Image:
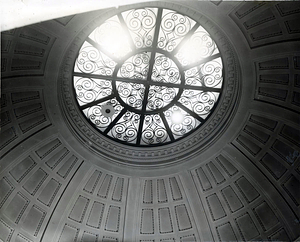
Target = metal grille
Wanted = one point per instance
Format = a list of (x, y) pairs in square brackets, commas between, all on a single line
[(148, 76)]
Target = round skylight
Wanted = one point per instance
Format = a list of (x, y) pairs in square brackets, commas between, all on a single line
[(148, 76)]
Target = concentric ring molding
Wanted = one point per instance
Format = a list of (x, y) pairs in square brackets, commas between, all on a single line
[(196, 142)]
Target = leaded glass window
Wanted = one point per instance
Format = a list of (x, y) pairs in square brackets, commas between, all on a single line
[(148, 76)]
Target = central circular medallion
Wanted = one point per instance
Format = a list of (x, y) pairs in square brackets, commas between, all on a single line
[(147, 82)]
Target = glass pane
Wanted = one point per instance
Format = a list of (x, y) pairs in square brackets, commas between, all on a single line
[(208, 74), (199, 46), (199, 102), (95, 113), (180, 122), (91, 60), (141, 25), (173, 28), (154, 131), (91, 89), (160, 96), (112, 38), (126, 128), (136, 67), (165, 70), (131, 93)]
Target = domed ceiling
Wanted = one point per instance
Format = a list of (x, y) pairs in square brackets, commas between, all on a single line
[(72, 171)]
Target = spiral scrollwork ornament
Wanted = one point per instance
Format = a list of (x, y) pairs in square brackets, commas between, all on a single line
[(89, 89), (207, 75), (126, 128), (160, 96), (141, 24), (131, 93), (165, 70), (95, 114), (136, 67), (91, 60), (183, 127), (173, 28), (154, 131)]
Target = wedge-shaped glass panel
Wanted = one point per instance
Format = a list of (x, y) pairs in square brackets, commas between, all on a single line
[(92, 60), (136, 67), (180, 122), (173, 28), (91, 89), (209, 74), (160, 96), (141, 24), (111, 37), (198, 47), (126, 128), (97, 113), (131, 93), (165, 70), (154, 130), (199, 102)]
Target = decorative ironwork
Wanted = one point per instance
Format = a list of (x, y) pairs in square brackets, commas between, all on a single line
[(136, 67), (160, 96), (173, 28), (157, 73), (208, 74), (91, 60), (95, 114), (90, 89), (187, 124), (131, 93), (199, 102), (165, 70), (199, 46), (141, 24), (126, 128), (154, 131)]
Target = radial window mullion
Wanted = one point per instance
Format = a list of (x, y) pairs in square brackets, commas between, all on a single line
[(165, 84), (169, 131), (156, 33), (125, 28), (111, 78), (157, 27), (145, 100), (202, 88), (88, 105), (186, 37), (190, 112), (140, 130), (210, 58), (112, 124), (95, 76)]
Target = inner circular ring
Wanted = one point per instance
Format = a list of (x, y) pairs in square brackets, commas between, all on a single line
[(152, 80)]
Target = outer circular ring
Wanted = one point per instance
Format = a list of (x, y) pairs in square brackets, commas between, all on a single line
[(195, 142)]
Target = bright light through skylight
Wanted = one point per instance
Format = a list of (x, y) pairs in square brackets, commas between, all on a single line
[(112, 37), (177, 117)]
